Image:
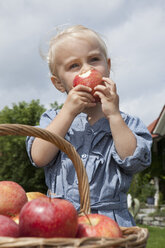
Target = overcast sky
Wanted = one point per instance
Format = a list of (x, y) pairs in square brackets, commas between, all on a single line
[(134, 31)]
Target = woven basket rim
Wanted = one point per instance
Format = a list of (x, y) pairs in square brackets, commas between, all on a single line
[(137, 238)]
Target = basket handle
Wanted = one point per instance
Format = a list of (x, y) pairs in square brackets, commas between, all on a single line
[(63, 145)]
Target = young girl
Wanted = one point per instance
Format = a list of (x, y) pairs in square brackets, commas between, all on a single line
[(113, 145)]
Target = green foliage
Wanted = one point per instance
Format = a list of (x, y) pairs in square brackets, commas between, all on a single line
[(148, 190), (157, 169), (55, 105), (138, 182), (161, 200), (135, 188), (14, 162), (23, 113), (141, 187)]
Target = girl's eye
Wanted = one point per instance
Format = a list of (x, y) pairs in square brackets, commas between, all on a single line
[(73, 66), (94, 59)]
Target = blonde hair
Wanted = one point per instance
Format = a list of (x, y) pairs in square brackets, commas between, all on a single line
[(77, 31)]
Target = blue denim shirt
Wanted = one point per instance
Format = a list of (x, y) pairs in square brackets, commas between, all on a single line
[(109, 176)]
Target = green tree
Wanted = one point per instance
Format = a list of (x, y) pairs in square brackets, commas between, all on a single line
[(14, 162), (55, 105), (140, 180)]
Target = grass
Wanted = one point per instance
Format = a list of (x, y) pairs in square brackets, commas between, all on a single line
[(156, 237)]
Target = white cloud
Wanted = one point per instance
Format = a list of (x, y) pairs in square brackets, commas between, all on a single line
[(147, 108), (138, 53)]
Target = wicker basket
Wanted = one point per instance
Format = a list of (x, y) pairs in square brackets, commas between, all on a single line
[(132, 236)]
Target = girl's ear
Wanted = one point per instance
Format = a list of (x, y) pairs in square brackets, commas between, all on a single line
[(109, 64), (57, 83)]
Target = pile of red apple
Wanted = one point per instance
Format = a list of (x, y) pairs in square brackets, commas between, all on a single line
[(33, 214)]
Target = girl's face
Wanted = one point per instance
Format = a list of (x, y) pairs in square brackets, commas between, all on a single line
[(75, 56)]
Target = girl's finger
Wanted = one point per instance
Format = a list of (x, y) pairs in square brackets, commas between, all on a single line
[(106, 90), (81, 87), (86, 95), (99, 94), (111, 83)]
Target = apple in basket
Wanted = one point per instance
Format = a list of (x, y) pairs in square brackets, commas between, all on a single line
[(12, 198), (8, 228), (97, 225), (90, 78), (30, 196), (48, 218), (34, 195)]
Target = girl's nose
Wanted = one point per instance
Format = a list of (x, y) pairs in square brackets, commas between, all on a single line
[(85, 68)]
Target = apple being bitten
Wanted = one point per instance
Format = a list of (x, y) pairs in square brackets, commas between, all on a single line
[(91, 78), (8, 228), (48, 218), (12, 198), (97, 225)]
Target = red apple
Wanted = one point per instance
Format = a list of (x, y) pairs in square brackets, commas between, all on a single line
[(48, 218), (12, 198), (31, 196), (34, 195), (91, 78), (8, 227), (97, 225)]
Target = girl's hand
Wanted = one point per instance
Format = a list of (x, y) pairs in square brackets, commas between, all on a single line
[(109, 97), (78, 99)]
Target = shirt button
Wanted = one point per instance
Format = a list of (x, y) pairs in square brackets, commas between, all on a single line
[(146, 156), (89, 131), (83, 156)]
